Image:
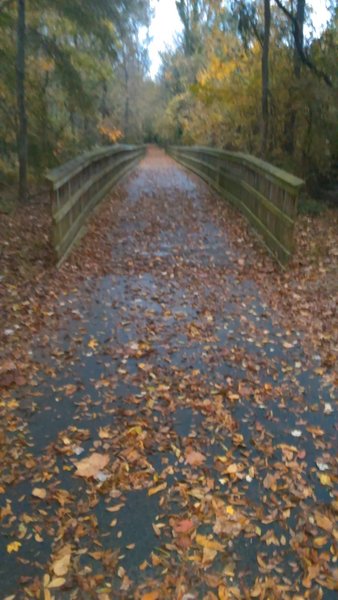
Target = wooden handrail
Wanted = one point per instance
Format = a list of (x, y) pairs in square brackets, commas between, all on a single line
[(267, 195), (77, 186)]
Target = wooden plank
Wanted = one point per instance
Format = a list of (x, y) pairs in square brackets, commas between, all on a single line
[(60, 175), (73, 233), (287, 180), (65, 208), (251, 190), (273, 243)]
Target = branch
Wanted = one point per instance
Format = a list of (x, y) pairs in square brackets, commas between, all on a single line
[(303, 55)]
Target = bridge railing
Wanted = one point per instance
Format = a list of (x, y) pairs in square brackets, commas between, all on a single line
[(266, 195), (77, 186)]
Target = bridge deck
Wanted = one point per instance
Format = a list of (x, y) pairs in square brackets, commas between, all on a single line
[(205, 427)]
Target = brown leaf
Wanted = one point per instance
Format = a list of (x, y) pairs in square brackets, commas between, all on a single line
[(90, 466), (62, 561), (193, 458), (323, 522), (183, 526), (70, 389), (269, 482)]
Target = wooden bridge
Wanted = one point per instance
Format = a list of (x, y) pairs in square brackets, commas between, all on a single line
[(265, 194)]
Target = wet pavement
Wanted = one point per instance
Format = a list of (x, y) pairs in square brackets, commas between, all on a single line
[(218, 433)]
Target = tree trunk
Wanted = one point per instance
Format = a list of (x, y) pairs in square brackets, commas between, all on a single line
[(21, 101), (126, 98), (297, 67), (299, 34), (265, 77)]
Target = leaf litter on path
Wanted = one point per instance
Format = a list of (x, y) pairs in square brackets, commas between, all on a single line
[(205, 428)]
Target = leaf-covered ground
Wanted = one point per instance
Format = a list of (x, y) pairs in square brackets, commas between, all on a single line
[(168, 416)]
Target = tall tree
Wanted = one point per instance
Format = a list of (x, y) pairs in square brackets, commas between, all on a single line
[(190, 14), (297, 19), (265, 76), (250, 26), (21, 99)]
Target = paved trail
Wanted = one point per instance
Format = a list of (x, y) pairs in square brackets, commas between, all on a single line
[(209, 436)]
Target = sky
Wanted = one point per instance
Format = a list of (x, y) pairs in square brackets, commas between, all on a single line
[(166, 24)]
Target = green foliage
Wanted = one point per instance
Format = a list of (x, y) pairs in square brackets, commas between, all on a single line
[(310, 206)]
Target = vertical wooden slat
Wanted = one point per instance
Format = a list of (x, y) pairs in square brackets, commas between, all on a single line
[(268, 196), (75, 189)]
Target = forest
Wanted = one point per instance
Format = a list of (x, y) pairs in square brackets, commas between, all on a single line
[(244, 75)]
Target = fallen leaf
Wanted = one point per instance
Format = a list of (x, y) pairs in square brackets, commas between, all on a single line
[(202, 540), (195, 459), (158, 488), (39, 493), (151, 595), (223, 593), (56, 583), (93, 343), (13, 547), (62, 562), (70, 389), (115, 508), (323, 522), (183, 526), (324, 479), (90, 466)]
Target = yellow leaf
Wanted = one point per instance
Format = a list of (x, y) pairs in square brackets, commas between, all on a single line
[(233, 468), (320, 541), (115, 508), (61, 564), (47, 594), (151, 595), (208, 555), (222, 593), (230, 510), (104, 433), (158, 488), (13, 547), (39, 493), (325, 479), (202, 540), (56, 583), (93, 343)]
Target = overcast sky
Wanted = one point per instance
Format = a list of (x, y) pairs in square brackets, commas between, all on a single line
[(166, 24)]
